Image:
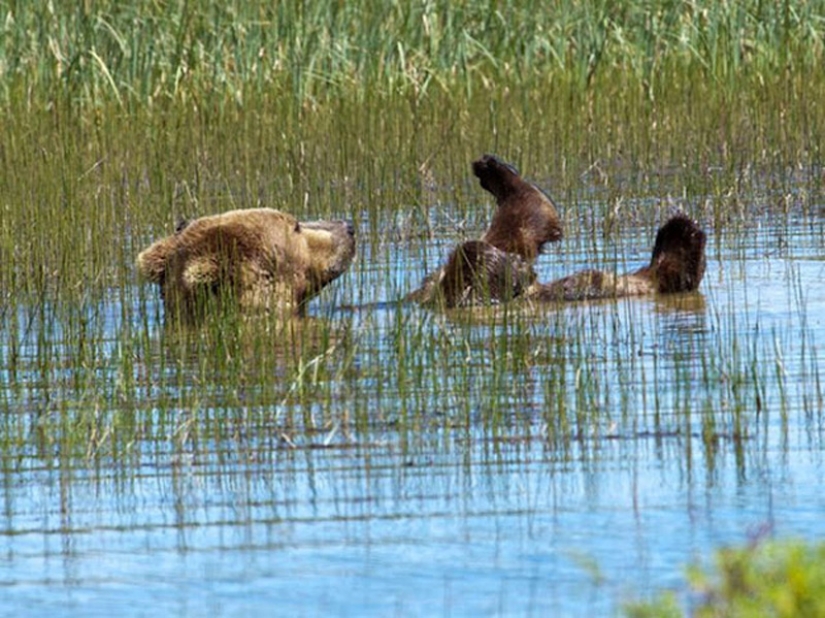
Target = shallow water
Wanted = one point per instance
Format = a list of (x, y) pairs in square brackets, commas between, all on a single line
[(385, 460)]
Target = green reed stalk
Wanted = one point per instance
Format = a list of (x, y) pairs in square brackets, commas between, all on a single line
[(122, 119), (147, 53)]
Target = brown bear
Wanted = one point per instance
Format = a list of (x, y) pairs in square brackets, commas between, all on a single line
[(677, 265), (499, 266), (253, 259)]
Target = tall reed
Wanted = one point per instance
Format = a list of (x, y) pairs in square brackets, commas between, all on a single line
[(147, 53)]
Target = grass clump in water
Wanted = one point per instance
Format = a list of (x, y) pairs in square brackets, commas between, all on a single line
[(775, 579)]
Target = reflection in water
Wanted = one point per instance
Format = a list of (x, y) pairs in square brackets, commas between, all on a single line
[(386, 459), (683, 304)]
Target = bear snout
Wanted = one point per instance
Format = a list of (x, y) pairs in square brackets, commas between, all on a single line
[(333, 227)]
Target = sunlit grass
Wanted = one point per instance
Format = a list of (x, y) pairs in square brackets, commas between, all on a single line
[(120, 119), (770, 578), (147, 53)]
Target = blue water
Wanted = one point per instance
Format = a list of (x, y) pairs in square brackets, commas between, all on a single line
[(557, 461)]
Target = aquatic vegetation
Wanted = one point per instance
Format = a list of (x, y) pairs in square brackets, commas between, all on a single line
[(370, 429), (148, 53), (771, 578), (203, 108)]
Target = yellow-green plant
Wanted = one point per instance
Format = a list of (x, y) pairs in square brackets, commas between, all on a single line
[(777, 579)]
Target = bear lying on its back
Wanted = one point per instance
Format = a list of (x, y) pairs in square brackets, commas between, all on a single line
[(677, 264), (478, 273), (499, 266), (256, 259)]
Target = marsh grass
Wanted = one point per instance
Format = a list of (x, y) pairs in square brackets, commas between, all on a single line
[(120, 119), (764, 578), (147, 53), (72, 278)]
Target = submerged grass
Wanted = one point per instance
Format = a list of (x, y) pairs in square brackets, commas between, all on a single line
[(122, 119)]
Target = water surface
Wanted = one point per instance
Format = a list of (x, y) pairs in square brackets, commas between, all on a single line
[(386, 460)]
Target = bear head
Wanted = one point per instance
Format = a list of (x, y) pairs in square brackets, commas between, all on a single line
[(477, 273), (255, 259)]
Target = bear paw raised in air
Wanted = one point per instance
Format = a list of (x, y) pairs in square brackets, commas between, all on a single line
[(677, 264), (499, 266)]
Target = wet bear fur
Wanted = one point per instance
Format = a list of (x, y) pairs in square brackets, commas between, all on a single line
[(677, 264), (499, 266), (257, 259)]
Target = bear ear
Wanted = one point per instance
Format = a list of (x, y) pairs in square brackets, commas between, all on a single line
[(297, 227), (151, 262), (181, 225)]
